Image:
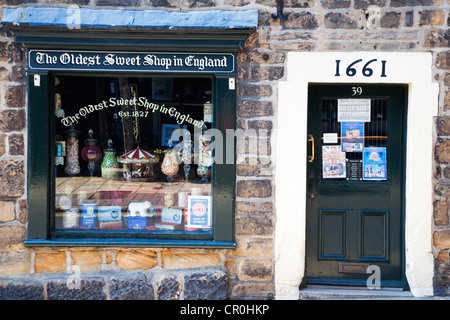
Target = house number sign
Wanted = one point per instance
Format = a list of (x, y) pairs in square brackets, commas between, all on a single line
[(359, 66)]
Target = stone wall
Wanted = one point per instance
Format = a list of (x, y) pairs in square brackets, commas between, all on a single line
[(312, 25)]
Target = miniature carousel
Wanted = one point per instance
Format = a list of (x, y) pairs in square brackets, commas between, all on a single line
[(138, 165)]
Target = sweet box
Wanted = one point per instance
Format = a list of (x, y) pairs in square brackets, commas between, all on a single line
[(109, 213)]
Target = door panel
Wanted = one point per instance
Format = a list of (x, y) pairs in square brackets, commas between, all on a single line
[(374, 236), (332, 235), (355, 183)]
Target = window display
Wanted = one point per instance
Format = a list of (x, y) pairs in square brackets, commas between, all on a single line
[(121, 163)]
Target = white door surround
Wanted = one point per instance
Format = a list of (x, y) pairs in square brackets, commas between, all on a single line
[(302, 68)]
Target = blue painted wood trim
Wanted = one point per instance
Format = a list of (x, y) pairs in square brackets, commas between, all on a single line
[(73, 17)]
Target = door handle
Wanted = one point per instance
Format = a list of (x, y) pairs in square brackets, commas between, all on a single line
[(311, 139)]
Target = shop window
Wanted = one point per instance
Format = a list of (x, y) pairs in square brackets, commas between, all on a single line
[(121, 163)]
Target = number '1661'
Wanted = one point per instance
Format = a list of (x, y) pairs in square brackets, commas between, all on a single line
[(366, 69)]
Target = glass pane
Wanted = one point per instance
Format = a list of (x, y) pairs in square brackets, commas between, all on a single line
[(344, 143), (120, 164)]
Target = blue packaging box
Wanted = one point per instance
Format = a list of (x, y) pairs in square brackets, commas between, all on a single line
[(137, 223)]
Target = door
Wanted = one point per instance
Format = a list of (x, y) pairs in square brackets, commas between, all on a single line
[(355, 181)]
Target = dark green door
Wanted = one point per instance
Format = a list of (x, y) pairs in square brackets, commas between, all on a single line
[(355, 173)]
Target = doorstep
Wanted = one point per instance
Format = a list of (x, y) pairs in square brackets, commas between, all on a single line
[(323, 292)]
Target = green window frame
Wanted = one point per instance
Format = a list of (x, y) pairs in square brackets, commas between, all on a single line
[(40, 179)]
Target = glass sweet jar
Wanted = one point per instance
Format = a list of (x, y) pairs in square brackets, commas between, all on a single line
[(169, 165), (110, 165), (91, 153), (72, 144)]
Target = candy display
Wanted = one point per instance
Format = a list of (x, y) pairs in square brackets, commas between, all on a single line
[(169, 165), (72, 163), (169, 199), (91, 152), (204, 172), (119, 170), (110, 165), (182, 199)]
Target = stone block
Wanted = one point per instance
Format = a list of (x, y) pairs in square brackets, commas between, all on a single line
[(261, 73), (437, 38), (288, 3), (15, 96), (255, 269), (409, 18), (12, 178), (254, 208), (261, 289), (260, 125), (12, 234), (254, 188), (17, 74), (87, 261), (198, 3), (15, 52), (443, 60), (338, 20), (254, 90), (441, 239), (390, 20), (254, 168), (442, 150), (443, 256), (169, 288), (254, 247), (136, 260), (12, 120), (78, 289), (16, 144), (237, 3), (131, 287), (205, 286), (443, 126), (250, 108), (447, 101), (431, 17), (7, 211), (301, 20), (262, 226), (21, 290), (364, 4), (50, 262), (261, 57), (159, 3), (335, 4), (172, 260), (412, 3), (3, 74), (440, 213), (23, 211), (2, 144), (15, 262)]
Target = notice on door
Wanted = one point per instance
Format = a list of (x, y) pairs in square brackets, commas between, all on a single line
[(333, 162), (354, 110), (374, 162)]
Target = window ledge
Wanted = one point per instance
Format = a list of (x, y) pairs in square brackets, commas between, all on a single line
[(92, 242)]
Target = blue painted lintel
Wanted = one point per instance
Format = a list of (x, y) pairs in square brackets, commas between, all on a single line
[(73, 16)]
